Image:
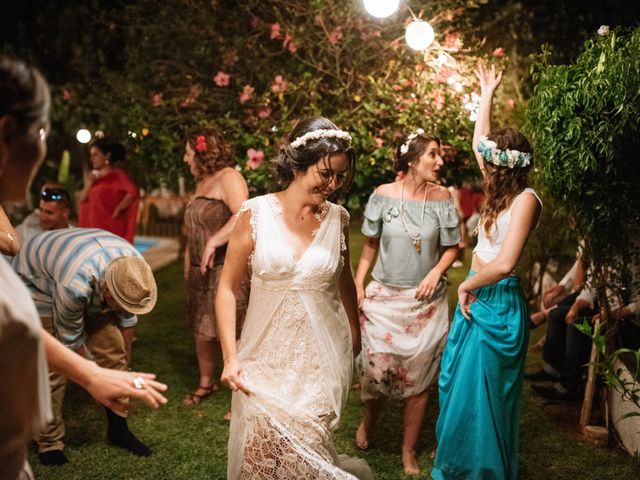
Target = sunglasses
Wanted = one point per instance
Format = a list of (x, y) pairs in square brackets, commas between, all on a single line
[(56, 195)]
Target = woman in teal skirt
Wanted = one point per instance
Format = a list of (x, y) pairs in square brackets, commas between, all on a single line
[(480, 383)]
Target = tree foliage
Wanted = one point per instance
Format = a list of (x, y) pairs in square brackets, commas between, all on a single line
[(255, 68), (583, 119)]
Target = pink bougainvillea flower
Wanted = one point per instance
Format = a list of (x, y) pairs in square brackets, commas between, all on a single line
[(292, 47), (511, 104), (287, 39), (255, 158), (438, 99), (194, 93), (221, 79), (275, 31), (156, 99), (279, 84), (66, 94), (396, 87), (379, 141), (452, 40), (264, 112), (366, 35), (443, 74), (246, 94), (335, 36), (498, 52)]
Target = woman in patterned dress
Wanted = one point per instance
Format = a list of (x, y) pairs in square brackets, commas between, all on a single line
[(412, 227)]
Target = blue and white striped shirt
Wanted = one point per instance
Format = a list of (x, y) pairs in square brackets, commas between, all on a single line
[(64, 270)]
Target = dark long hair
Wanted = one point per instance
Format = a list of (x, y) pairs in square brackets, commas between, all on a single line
[(291, 160), (502, 184)]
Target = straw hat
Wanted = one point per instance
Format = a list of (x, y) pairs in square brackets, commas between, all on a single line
[(131, 283)]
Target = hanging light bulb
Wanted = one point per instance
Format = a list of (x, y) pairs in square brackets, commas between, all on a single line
[(83, 135), (419, 35), (381, 8)]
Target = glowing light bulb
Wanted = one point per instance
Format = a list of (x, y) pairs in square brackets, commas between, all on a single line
[(381, 8), (419, 35), (83, 135)]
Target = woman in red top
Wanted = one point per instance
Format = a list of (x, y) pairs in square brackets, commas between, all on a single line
[(110, 199)]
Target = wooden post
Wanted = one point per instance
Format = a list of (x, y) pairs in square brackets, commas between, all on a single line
[(587, 404)]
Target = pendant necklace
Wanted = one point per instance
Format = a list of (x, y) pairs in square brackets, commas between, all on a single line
[(417, 239)]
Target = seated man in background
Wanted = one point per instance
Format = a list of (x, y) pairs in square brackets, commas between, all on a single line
[(562, 294), (566, 350), (88, 286), (53, 212)]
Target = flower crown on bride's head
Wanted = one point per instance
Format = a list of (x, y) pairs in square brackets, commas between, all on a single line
[(318, 134), (404, 148), (502, 158)]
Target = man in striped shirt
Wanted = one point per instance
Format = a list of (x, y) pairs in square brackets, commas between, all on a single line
[(88, 285)]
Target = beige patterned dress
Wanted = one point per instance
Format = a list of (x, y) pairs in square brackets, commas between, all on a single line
[(296, 355)]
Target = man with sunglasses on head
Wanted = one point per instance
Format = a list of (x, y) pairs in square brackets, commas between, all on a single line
[(52, 213)]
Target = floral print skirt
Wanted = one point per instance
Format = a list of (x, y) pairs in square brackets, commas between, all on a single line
[(402, 341)]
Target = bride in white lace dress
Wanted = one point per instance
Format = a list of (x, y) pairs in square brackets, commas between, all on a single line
[(291, 370)]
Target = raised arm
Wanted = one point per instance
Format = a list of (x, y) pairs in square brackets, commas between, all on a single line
[(489, 81), (233, 273)]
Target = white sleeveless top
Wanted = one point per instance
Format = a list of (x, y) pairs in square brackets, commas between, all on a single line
[(487, 248)]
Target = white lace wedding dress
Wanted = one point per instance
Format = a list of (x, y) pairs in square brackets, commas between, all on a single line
[(296, 355)]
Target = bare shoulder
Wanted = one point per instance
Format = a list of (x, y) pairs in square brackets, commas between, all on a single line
[(233, 185), (439, 193), (388, 189), (528, 205), (229, 174)]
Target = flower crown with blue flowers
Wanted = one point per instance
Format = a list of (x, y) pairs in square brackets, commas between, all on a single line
[(502, 158)]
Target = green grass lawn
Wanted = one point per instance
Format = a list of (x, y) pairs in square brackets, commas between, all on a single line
[(190, 442)]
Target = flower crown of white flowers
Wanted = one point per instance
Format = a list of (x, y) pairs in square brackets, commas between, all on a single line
[(404, 148), (502, 158), (318, 134)]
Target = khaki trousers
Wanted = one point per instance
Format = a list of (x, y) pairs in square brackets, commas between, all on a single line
[(106, 344)]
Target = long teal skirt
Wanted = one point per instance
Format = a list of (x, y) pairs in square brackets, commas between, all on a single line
[(480, 387)]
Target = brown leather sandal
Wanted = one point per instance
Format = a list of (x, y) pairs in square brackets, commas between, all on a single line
[(195, 398)]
